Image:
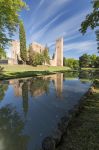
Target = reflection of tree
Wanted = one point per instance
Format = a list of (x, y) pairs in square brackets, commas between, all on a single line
[(3, 89), (71, 74), (39, 86), (85, 76), (25, 97), (11, 127)]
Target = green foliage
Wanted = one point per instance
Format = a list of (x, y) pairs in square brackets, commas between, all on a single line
[(84, 61), (97, 62), (92, 20), (22, 36), (46, 58), (97, 38), (35, 58), (71, 62), (38, 58), (93, 60), (9, 19), (2, 53)]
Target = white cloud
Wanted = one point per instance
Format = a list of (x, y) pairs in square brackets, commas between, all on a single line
[(50, 9), (46, 27), (81, 47), (67, 28)]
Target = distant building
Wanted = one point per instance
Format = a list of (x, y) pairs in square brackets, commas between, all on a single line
[(39, 48), (36, 47)]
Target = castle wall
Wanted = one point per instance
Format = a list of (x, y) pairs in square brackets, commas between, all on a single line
[(36, 47)]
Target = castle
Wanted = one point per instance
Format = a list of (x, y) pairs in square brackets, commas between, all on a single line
[(36, 47)]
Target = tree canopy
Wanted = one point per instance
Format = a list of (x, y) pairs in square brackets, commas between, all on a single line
[(92, 20), (89, 61), (71, 62), (9, 19)]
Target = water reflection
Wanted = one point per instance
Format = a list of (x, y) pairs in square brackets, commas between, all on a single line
[(11, 125), (25, 97), (37, 86), (31, 108), (3, 89)]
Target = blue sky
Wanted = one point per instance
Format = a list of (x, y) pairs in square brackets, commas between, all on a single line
[(46, 20)]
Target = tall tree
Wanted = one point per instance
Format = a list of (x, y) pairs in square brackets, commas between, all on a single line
[(92, 20), (9, 19), (46, 58), (22, 36)]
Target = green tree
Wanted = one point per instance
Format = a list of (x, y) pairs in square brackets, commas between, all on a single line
[(46, 58), (97, 38), (35, 58), (64, 61), (93, 60), (2, 53), (22, 36), (71, 62), (9, 19), (92, 20), (53, 56), (76, 64), (97, 62), (85, 61)]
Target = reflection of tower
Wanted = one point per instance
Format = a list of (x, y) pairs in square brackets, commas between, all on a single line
[(58, 81)]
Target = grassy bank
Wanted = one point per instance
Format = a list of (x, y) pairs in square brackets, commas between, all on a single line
[(86, 69), (20, 71), (83, 132)]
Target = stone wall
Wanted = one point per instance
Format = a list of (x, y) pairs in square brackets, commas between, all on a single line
[(15, 51), (36, 47)]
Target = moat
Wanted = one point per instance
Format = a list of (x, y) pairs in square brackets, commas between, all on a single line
[(31, 108)]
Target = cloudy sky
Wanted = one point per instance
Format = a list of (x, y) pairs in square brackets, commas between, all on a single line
[(46, 20)]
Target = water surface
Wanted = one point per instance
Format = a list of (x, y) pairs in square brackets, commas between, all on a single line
[(31, 108)]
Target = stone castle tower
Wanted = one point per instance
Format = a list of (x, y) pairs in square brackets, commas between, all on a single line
[(58, 59), (59, 52)]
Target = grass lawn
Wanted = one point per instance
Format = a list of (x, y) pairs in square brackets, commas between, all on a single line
[(83, 132), (18, 71)]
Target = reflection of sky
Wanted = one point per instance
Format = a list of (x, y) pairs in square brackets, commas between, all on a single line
[(45, 111)]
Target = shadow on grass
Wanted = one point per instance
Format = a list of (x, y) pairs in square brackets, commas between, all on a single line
[(13, 75)]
